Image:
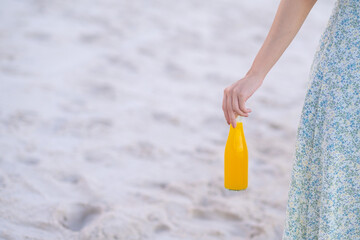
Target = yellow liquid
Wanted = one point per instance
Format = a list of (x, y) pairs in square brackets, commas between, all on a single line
[(236, 159)]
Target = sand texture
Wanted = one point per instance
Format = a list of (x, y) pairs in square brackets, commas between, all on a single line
[(111, 124)]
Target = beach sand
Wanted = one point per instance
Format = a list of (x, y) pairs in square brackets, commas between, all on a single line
[(111, 124)]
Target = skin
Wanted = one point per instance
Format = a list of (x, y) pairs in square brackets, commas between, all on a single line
[(289, 18)]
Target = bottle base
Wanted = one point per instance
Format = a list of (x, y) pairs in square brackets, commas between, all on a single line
[(231, 189)]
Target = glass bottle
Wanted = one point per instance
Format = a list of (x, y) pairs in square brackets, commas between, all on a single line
[(236, 158)]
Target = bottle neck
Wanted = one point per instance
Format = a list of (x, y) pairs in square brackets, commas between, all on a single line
[(239, 118)]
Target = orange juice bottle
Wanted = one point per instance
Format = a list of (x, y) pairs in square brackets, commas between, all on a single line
[(236, 158)]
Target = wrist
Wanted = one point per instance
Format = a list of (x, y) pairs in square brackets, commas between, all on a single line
[(256, 73)]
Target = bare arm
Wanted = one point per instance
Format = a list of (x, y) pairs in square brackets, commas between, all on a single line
[(289, 18)]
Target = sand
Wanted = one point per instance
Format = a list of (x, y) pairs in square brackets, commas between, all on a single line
[(111, 124)]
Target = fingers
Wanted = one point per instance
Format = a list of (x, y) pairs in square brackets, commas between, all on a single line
[(224, 106), (236, 108), (234, 104), (242, 105), (230, 112)]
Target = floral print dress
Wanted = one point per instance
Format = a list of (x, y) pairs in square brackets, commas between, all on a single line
[(324, 193)]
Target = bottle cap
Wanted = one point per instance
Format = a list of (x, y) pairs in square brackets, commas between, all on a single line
[(239, 118)]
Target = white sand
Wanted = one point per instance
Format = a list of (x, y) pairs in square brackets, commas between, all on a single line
[(111, 123)]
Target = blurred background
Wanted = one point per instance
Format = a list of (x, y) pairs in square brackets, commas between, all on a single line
[(111, 124)]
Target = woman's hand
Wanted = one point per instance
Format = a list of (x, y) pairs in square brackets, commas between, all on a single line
[(237, 94), (288, 19)]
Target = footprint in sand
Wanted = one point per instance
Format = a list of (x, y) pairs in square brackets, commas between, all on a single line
[(30, 161), (143, 150), (99, 127), (38, 36), (174, 189), (99, 156), (89, 38), (248, 231), (70, 178), (175, 70), (166, 118), (160, 221), (127, 65), (209, 214), (77, 216), (101, 90), (161, 228)]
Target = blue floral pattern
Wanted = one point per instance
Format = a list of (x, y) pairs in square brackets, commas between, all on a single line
[(324, 191)]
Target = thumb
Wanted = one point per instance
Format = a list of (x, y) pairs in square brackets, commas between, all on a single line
[(242, 105)]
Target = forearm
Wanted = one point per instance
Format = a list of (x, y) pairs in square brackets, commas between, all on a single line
[(289, 18)]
